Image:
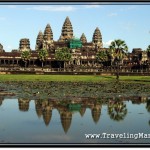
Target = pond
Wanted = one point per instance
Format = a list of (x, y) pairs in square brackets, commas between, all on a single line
[(75, 120)]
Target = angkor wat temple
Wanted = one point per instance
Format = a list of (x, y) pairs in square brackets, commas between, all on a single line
[(83, 52)]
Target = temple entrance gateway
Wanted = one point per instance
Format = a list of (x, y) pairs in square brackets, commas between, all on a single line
[(57, 64)]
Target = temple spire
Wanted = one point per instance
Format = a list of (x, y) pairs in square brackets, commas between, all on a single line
[(67, 30), (48, 34), (97, 38), (39, 40), (83, 38)]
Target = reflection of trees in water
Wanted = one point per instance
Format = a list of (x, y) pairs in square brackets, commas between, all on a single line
[(1, 100), (23, 104), (148, 105), (117, 110), (148, 108)]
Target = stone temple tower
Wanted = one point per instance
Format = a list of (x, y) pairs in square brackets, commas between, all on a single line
[(48, 37), (39, 41), (1, 48), (24, 45), (83, 38), (48, 34), (67, 30), (97, 38)]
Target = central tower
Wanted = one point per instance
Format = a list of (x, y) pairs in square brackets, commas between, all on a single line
[(67, 30)]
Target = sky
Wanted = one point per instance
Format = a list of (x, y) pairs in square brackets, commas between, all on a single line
[(130, 23)]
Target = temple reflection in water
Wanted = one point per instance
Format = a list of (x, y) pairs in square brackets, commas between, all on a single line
[(116, 108)]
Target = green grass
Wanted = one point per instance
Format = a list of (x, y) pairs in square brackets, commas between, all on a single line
[(72, 78)]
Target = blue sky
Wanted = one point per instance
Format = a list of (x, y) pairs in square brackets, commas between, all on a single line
[(127, 22)]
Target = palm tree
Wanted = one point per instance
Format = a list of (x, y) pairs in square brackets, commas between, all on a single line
[(25, 56), (118, 49), (117, 110), (42, 54), (63, 54)]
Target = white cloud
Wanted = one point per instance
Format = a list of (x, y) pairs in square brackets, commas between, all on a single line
[(11, 6), (112, 14), (107, 44), (53, 8), (132, 7), (92, 6)]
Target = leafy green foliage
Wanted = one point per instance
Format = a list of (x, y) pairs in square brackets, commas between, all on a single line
[(148, 48), (148, 51), (25, 55), (102, 56), (63, 87), (117, 110), (148, 105), (42, 54), (118, 49), (63, 54)]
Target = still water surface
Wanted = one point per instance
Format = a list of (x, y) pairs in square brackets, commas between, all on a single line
[(53, 121)]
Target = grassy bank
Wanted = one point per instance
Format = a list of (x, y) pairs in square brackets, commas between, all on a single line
[(73, 78)]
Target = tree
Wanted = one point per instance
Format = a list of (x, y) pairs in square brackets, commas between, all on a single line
[(25, 56), (42, 55), (102, 56), (63, 54), (117, 110), (148, 105), (148, 51), (118, 49)]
